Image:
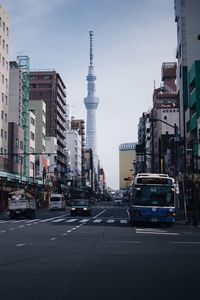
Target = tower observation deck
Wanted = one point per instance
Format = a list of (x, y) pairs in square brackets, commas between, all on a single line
[(91, 103)]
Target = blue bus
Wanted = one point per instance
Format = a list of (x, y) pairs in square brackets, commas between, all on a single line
[(153, 199)]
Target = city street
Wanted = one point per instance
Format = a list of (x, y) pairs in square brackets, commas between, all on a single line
[(56, 256)]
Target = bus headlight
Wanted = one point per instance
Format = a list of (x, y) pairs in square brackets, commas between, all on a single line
[(172, 214)]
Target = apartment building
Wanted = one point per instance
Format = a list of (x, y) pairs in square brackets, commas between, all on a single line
[(127, 158), (187, 18), (4, 85), (49, 86)]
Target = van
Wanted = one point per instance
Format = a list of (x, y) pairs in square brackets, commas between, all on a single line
[(57, 201)]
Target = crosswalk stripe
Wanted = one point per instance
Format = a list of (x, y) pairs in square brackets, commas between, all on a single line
[(123, 221), (84, 220), (58, 220), (71, 220), (31, 221), (47, 220), (111, 221), (97, 221)]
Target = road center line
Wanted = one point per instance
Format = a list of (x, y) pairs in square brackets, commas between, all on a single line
[(99, 214)]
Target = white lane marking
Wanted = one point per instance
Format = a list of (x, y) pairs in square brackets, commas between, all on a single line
[(154, 232), (3, 222), (78, 226), (20, 226), (99, 214), (97, 221), (84, 220), (31, 221), (20, 245), (64, 233), (47, 220), (111, 221), (17, 221), (198, 243), (53, 239), (124, 242), (29, 224), (71, 220), (150, 229), (58, 220), (69, 230), (11, 228), (123, 221), (2, 231)]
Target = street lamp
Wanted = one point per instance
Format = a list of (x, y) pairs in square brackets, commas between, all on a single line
[(175, 127)]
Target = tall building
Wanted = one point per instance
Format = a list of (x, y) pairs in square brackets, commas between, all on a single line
[(91, 104), (79, 125), (4, 84), (127, 158), (38, 107), (187, 18), (48, 86), (165, 112)]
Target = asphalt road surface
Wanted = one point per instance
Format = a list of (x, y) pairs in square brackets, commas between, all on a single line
[(58, 257)]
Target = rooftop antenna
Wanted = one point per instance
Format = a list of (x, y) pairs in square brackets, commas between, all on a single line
[(91, 48)]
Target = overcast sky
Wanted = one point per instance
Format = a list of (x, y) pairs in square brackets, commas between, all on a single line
[(132, 38)]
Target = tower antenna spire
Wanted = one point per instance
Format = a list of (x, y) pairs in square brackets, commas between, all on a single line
[(91, 48)]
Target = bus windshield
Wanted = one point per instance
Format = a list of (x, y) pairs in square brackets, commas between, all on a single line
[(151, 195)]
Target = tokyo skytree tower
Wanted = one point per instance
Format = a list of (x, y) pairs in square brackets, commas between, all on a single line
[(91, 103)]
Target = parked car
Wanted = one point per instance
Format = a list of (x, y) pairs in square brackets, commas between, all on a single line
[(81, 207), (57, 201)]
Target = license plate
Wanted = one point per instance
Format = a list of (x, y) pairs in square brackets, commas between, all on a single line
[(154, 220)]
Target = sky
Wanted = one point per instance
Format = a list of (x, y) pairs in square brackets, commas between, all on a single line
[(132, 38)]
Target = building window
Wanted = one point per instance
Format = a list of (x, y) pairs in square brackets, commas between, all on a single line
[(4, 26), (165, 117), (7, 48), (1, 150), (2, 97), (6, 100), (32, 136), (33, 77), (17, 143), (32, 121), (32, 150), (21, 145), (6, 117), (3, 61), (7, 31), (5, 135), (2, 133), (32, 165), (3, 44), (2, 79), (2, 115)]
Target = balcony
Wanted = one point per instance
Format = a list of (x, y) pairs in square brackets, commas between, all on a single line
[(193, 98), (193, 122)]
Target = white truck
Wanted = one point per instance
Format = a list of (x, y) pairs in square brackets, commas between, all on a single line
[(119, 197), (21, 203)]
